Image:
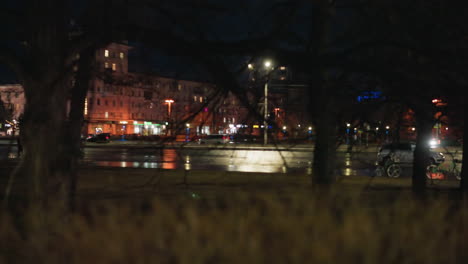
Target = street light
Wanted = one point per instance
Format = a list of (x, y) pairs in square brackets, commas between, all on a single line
[(348, 125), (268, 67), (169, 104), (265, 112)]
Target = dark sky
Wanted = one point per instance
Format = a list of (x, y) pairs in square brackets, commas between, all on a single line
[(7, 76), (230, 20)]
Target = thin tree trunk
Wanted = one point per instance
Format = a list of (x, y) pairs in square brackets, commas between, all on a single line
[(464, 171), (424, 123)]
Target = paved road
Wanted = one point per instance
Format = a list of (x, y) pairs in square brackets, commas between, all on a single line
[(245, 158), (220, 159)]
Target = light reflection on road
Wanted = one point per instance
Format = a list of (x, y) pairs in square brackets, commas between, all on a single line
[(266, 161), (169, 159)]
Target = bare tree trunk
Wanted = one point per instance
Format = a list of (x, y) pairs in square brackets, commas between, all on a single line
[(46, 87), (424, 124), (325, 146), (324, 152), (75, 122), (464, 171), (42, 134)]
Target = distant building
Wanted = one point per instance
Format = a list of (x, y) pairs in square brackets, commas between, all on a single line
[(121, 102)]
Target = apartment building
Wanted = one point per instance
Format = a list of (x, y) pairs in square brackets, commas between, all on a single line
[(122, 102)]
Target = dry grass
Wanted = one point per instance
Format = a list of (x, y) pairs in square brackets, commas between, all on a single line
[(229, 223), (133, 216)]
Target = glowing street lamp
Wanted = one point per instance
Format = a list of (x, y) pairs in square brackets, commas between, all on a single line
[(268, 67), (265, 112), (348, 125), (169, 103)]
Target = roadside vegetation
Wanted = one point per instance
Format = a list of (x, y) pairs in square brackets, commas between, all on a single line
[(241, 218)]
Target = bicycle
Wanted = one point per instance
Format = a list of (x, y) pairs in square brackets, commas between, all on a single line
[(390, 167), (440, 172)]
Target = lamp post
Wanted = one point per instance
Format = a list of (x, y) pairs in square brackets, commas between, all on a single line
[(265, 112), (386, 133), (268, 67), (348, 125), (169, 103)]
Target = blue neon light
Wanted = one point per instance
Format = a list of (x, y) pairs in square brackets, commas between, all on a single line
[(370, 95)]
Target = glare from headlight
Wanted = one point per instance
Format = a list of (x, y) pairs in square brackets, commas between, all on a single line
[(433, 143)]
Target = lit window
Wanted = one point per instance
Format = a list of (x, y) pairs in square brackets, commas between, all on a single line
[(114, 67), (121, 55), (195, 98), (201, 99), (106, 65), (106, 114), (106, 53)]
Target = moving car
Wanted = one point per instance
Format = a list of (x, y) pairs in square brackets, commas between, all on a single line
[(241, 138), (391, 157), (404, 153), (214, 139), (99, 138)]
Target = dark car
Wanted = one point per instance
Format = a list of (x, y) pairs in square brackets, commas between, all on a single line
[(404, 153), (99, 138), (391, 156), (240, 138), (214, 139)]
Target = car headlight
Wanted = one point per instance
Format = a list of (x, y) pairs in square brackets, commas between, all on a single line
[(434, 142)]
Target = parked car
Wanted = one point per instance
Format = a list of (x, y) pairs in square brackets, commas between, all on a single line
[(404, 153), (214, 139), (99, 138)]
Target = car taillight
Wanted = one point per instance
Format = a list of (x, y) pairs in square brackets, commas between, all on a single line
[(107, 137)]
